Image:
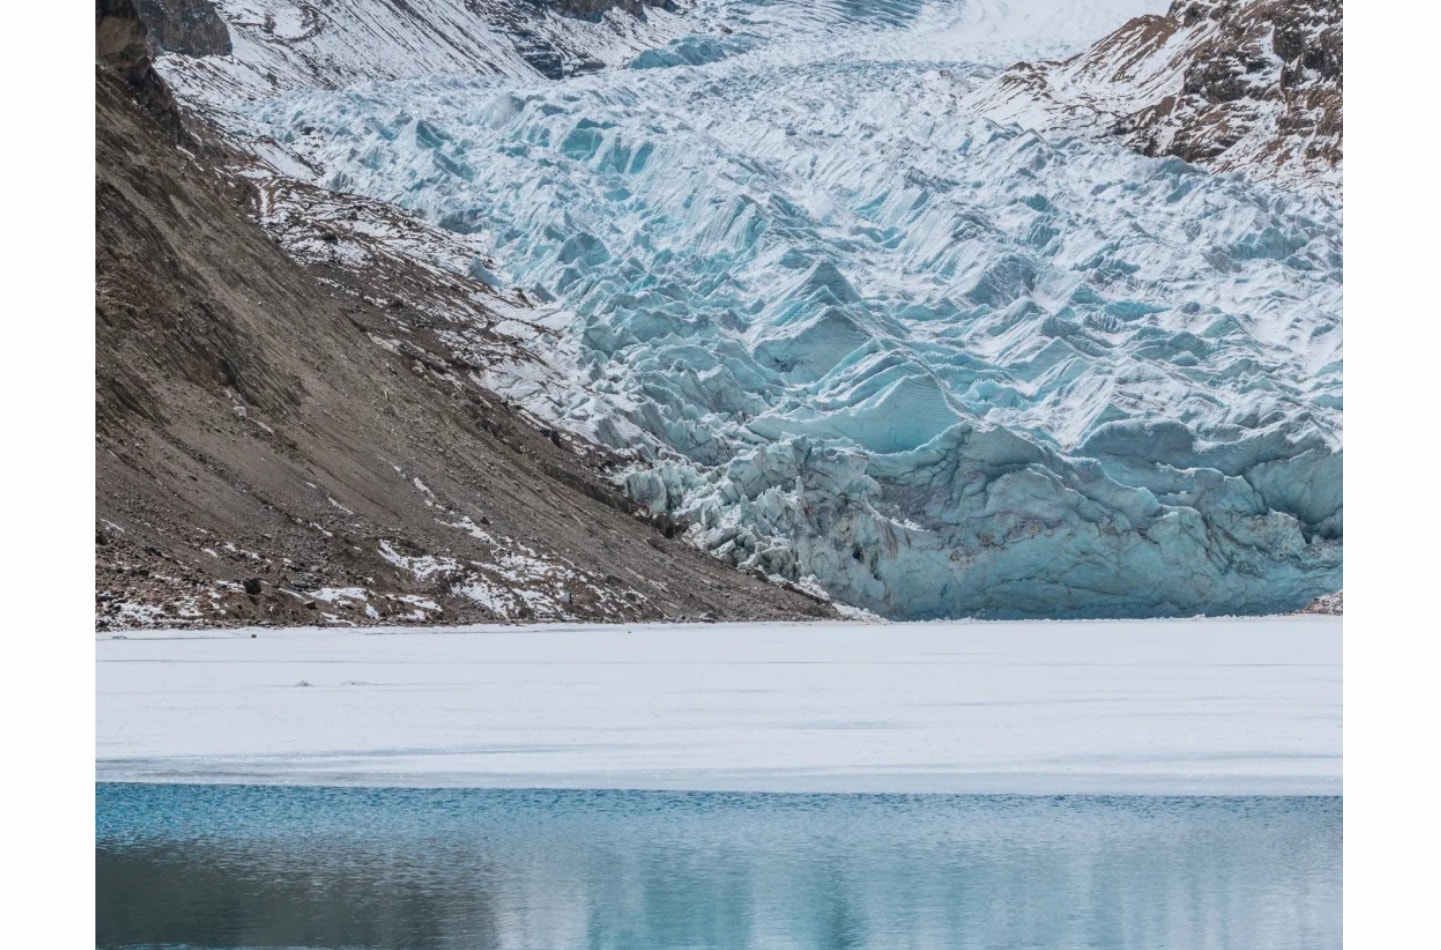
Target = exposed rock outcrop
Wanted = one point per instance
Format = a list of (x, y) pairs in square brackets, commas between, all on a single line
[(121, 47), (1252, 87), (1327, 604), (191, 27)]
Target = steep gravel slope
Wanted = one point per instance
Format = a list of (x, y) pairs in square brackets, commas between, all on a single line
[(263, 453)]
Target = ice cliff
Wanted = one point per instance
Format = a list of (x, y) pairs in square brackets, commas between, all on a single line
[(858, 335)]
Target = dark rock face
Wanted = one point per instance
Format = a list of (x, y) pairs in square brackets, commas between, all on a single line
[(121, 46), (191, 27)]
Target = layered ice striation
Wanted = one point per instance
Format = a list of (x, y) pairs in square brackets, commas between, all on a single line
[(942, 366)]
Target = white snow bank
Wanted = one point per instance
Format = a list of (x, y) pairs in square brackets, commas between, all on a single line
[(1178, 707)]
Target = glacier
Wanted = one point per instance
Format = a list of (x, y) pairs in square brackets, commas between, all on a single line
[(853, 335)]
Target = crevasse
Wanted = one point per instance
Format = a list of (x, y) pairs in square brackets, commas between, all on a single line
[(941, 366)]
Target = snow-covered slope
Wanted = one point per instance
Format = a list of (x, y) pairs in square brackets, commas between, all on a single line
[(287, 44), (1253, 87), (856, 333)]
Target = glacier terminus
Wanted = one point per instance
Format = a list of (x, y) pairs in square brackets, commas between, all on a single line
[(852, 331)]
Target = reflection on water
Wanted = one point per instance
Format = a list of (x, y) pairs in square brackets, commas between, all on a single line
[(240, 866)]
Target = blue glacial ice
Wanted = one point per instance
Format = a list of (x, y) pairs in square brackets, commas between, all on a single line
[(940, 366)]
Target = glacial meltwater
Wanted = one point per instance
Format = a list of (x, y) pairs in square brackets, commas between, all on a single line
[(274, 866)]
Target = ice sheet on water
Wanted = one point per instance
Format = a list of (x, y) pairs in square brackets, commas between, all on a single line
[(1165, 707)]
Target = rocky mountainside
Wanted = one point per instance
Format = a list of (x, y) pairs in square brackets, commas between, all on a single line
[(834, 324), (1253, 86), (191, 27), (122, 44), (276, 445)]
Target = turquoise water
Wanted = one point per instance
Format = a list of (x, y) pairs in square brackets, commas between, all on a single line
[(244, 866)]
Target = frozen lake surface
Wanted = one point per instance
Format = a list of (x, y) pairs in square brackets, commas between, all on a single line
[(1202, 707)]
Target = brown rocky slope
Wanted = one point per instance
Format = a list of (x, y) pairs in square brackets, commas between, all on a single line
[(260, 459)]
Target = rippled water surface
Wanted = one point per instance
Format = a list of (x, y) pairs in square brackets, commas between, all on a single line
[(246, 866)]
